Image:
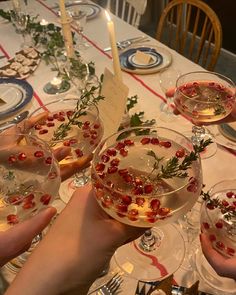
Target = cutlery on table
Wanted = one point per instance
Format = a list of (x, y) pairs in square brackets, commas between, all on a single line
[(17, 119), (126, 43), (111, 287)]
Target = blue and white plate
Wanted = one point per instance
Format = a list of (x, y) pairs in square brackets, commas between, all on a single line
[(91, 10), (14, 95), (223, 136), (160, 59)]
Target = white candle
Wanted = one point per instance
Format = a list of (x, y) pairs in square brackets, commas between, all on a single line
[(56, 82), (44, 22), (114, 50)]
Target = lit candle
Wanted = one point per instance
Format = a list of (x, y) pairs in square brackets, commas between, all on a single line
[(114, 50), (44, 22), (56, 82), (66, 30)]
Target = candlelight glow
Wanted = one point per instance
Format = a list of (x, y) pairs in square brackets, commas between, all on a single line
[(107, 16)]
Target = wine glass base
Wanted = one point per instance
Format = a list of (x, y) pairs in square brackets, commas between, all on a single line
[(50, 89), (167, 116), (208, 275), (157, 264)]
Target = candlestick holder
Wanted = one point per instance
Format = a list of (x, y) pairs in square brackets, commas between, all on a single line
[(56, 86)]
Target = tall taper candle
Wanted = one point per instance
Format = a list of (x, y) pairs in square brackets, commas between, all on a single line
[(114, 50)]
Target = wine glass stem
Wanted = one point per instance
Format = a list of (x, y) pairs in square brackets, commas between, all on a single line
[(149, 241), (198, 134)]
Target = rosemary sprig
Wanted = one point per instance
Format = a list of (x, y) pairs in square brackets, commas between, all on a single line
[(173, 167), (212, 203)]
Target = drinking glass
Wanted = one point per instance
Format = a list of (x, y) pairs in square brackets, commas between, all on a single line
[(70, 124), (29, 181), (20, 21), (168, 78), (204, 97), (131, 185), (218, 221), (80, 20)]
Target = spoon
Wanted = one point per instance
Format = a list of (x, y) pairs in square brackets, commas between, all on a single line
[(14, 121)]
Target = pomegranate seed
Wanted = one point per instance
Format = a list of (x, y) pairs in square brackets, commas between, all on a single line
[(61, 118), (140, 201), (219, 224), (225, 203), (91, 142), (128, 142), (12, 219), (69, 113), (230, 251), (43, 131), (66, 143), (12, 159), (112, 169), (107, 203), (86, 135), (137, 190), (111, 152), (128, 178), (55, 116), (211, 84), (229, 194), (94, 136), (52, 175), (210, 206), (37, 127), (148, 188), (79, 153), (206, 225), (48, 160), (99, 167), (96, 126), (73, 141), (29, 198), (122, 208), (133, 214), (155, 204), (15, 200), (145, 140), (101, 175), (86, 123), (151, 214), (110, 184), (45, 199), (22, 156), (123, 152), (50, 118), (123, 171), (154, 141), (29, 205), (39, 154), (138, 181), (212, 238), (167, 144), (50, 124), (120, 145), (220, 245), (180, 153), (99, 194), (105, 158), (127, 200), (115, 162), (163, 211)]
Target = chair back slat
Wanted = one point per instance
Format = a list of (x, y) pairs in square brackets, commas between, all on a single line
[(186, 28)]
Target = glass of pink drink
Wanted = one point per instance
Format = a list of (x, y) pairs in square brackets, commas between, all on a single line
[(132, 185), (204, 97)]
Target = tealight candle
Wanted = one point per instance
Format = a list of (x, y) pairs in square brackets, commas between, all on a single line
[(56, 82), (44, 22), (114, 50)]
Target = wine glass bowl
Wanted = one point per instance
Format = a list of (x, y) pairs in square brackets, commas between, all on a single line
[(218, 218), (129, 179), (29, 178)]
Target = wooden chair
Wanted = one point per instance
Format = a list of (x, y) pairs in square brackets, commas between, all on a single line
[(193, 29), (128, 10)]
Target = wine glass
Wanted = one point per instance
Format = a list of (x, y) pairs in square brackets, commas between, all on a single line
[(168, 78), (80, 20), (218, 221), (204, 97), (29, 181), (132, 184), (72, 124), (20, 21)]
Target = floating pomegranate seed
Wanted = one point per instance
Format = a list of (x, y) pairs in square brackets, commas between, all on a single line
[(101, 175), (115, 162), (50, 124), (138, 181), (61, 118), (145, 140), (128, 178), (79, 153), (180, 153), (38, 127), (86, 135), (195, 84), (45, 199), (148, 188), (43, 131), (111, 152), (220, 245), (120, 145), (155, 204), (219, 224), (137, 190), (127, 200), (163, 211), (123, 171), (154, 141), (55, 116), (206, 225), (99, 194), (15, 200), (123, 152), (225, 203), (110, 184), (62, 113), (112, 169), (12, 219), (94, 136), (234, 203), (86, 123), (91, 142), (39, 154), (29, 205), (128, 142), (48, 160), (22, 156), (211, 84), (12, 159), (66, 143), (52, 175), (151, 214), (229, 194), (140, 201), (50, 118), (210, 206), (167, 144), (69, 113), (96, 126), (107, 203), (230, 251), (122, 208), (133, 214), (29, 198), (99, 167), (212, 238), (105, 158)]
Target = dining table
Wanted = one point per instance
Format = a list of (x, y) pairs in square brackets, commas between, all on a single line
[(145, 86)]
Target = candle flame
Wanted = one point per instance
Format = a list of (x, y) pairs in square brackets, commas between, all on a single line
[(107, 16)]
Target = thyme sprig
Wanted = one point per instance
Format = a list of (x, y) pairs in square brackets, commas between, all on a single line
[(173, 167), (212, 203)]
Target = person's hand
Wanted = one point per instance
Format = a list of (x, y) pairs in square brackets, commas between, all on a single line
[(76, 249), (225, 267)]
